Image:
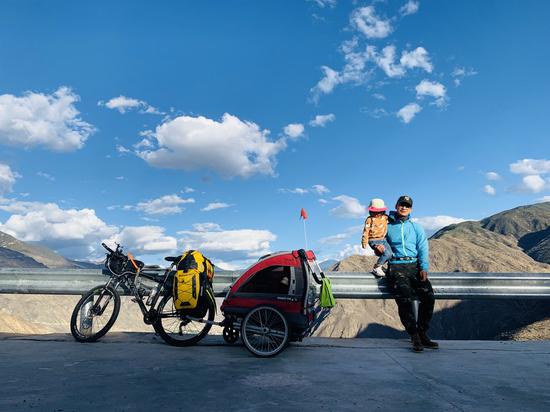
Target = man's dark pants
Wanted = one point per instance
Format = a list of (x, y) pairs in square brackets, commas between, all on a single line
[(407, 286)]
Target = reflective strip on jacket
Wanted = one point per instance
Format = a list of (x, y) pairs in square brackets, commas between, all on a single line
[(408, 239)]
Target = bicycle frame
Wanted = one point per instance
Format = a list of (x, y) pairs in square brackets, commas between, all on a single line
[(131, 281)]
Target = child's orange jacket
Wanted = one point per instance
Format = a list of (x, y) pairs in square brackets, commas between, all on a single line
[(375, 228)]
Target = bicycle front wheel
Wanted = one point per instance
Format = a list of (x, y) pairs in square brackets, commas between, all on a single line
[(178, 329), (95, 313)]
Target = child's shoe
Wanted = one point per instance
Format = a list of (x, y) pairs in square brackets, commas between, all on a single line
[(378, 272)]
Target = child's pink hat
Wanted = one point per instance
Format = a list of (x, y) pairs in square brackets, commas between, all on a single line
[(377, 205)]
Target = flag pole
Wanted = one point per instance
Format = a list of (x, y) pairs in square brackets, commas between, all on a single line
[(305, 233), (303, 216)]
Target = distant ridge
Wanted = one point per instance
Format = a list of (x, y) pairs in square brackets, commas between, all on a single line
[(29, 255), (13, 259)]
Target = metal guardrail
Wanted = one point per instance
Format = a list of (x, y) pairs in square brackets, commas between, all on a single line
[(345, 285)]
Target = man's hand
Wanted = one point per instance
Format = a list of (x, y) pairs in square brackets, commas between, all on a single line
[(423, 275), (379, 249)]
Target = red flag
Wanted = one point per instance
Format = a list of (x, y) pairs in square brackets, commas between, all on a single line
[(303, 214)]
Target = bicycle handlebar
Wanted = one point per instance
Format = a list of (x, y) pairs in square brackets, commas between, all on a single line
[(107, 247)]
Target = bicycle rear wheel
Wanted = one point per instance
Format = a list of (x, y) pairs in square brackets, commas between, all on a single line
[(95, 313), (180, 330)]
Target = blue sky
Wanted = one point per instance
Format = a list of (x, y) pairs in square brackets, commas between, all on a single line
[(171, 125)]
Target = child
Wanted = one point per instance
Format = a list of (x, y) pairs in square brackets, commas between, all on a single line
[(374, 233)]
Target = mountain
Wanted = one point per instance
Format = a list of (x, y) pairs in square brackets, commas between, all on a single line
[(12, 259), (14, 253), (469, 247), (86, 265), (328, 264), (515, 240), (529, 225)]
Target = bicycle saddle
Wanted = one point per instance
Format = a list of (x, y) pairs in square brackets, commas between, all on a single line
[(172, 258)]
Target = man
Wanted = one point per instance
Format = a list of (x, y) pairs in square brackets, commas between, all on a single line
[(408, 273)]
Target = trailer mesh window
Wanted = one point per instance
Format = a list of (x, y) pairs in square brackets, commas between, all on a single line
[(273, 280)]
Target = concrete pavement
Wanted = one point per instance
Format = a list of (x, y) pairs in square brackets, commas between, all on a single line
[(137, 371)]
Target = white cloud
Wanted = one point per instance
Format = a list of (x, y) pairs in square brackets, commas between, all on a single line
[(231, 147), (433, 89), (206, 227), (296, 191), (340, 237), (417, 58), (530, 167), (355, 70), (145, 240), (188, 190), (490, 190), (124, 104), (231, 245), (386, 60), (379, 96), (325, 3), (321, 120), (327, 84), (544, 199), (122, 149), (533, 183), (164, 205), (78, 233), (323, 201), (215, 205), (354, 249), (334, 239), (349, 207), (365, 20), (7, 178), (49, 121), (72, 232), (433, 223), (411, 7), (407, 113), (46, 176), (320, 189), (376, 113), (294, 130), (460, 72), (492, 176), (144, 143)]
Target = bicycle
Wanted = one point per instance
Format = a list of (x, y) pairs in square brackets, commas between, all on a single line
[(96, 312)]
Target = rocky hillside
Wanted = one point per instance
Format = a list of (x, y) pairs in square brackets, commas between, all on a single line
[(12, 259), (470, 247), (516, 240), (14, 253)]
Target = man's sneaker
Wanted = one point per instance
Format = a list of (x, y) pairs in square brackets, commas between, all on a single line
[(416, 343), (378, 272), (427, 342)]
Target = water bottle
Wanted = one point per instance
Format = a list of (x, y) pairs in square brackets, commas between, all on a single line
[(152, 295)]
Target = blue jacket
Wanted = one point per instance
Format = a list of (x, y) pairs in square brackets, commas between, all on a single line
[(407, 238)]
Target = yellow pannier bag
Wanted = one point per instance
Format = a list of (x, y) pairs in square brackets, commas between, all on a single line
[(193, 270)]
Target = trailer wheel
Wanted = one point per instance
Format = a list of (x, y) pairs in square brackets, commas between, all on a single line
[(265, 331), (230, 335)]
